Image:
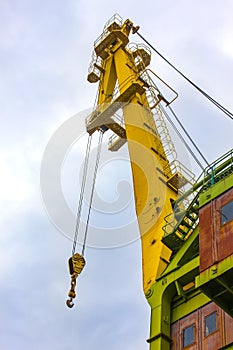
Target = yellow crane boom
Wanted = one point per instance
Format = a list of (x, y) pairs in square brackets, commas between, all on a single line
[(187, 255), (125, 85)]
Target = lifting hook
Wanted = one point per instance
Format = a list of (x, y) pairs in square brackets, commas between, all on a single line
[(76, 264), (71, 293), (69, 303)]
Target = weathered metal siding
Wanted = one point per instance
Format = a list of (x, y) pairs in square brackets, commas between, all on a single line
[(184, 323), (206, 236), (177, 330), (216, 241), (228, 327), (214, 340), (174, 333), (222, 336), (224, 233)]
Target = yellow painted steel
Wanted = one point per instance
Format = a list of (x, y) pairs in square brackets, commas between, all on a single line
[(124, 85), (76, 265), (150, 166)]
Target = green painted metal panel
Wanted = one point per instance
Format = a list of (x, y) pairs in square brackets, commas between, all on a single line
[(216, 283), (188, 306), (168, 297), (227, 347), (215, 190)]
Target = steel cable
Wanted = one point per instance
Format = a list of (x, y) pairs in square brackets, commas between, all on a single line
[(93, 188), (181, 138), (217, 104), (187, 134), (78, 215)]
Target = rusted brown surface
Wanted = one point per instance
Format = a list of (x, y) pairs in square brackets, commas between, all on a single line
[(187, 321), (215, 240), (206, 236), (224, 234), (228, 323), (214, 340), (222, 336), (174, 333)]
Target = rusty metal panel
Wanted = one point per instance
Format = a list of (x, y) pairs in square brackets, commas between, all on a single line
[(213, 339), (224, 232), (206, 236), (184, 323), (221, 336), (228, 328), (215, 240)]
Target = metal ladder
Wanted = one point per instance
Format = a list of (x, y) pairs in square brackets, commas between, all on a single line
[(180, 224)]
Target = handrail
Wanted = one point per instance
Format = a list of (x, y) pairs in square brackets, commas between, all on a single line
[(133, 47), (207, 178), (117, 19), (176, 94), (225, 162)]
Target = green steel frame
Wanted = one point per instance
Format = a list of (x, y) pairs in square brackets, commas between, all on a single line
[(181, 289)]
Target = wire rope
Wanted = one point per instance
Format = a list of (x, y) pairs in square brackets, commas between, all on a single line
[(211, 99), (92, 189), (78, 215), (181, 137), (187, 134)]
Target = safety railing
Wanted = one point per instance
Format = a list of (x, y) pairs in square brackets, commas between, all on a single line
[(141, 55), (114, 22), (164, 134), (133, 47), (178, 167), (219, 169), (115, 142), (180, 223), (116, 18), (119, 119), (152, 94), (93, 71), (184, 218)]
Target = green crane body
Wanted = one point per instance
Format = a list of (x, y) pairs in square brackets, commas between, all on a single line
[(172, 248)]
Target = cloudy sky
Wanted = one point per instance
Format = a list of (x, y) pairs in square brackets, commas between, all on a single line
[(45, 51)]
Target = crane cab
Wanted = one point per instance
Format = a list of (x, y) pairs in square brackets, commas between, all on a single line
[(216, 243)]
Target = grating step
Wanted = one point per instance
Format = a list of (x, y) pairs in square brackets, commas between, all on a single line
[(191, 217), (181, 231), (186, 224), (195, 208), (172, 241)]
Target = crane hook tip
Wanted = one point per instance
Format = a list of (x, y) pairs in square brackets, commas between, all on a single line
[(69, 303)]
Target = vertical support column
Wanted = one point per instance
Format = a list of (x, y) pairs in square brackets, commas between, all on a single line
[(160, 297)]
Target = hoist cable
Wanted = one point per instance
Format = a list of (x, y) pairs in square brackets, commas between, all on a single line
[(180, 135), (181, 138), (78, 216), (189, 137), (92, 189), (217, 104)]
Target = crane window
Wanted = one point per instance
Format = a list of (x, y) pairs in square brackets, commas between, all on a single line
[(188, 336), (227, 213), (210, 324)]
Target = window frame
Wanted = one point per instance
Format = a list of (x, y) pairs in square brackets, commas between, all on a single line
[(194, 336), (223, 216), (216, 324)]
